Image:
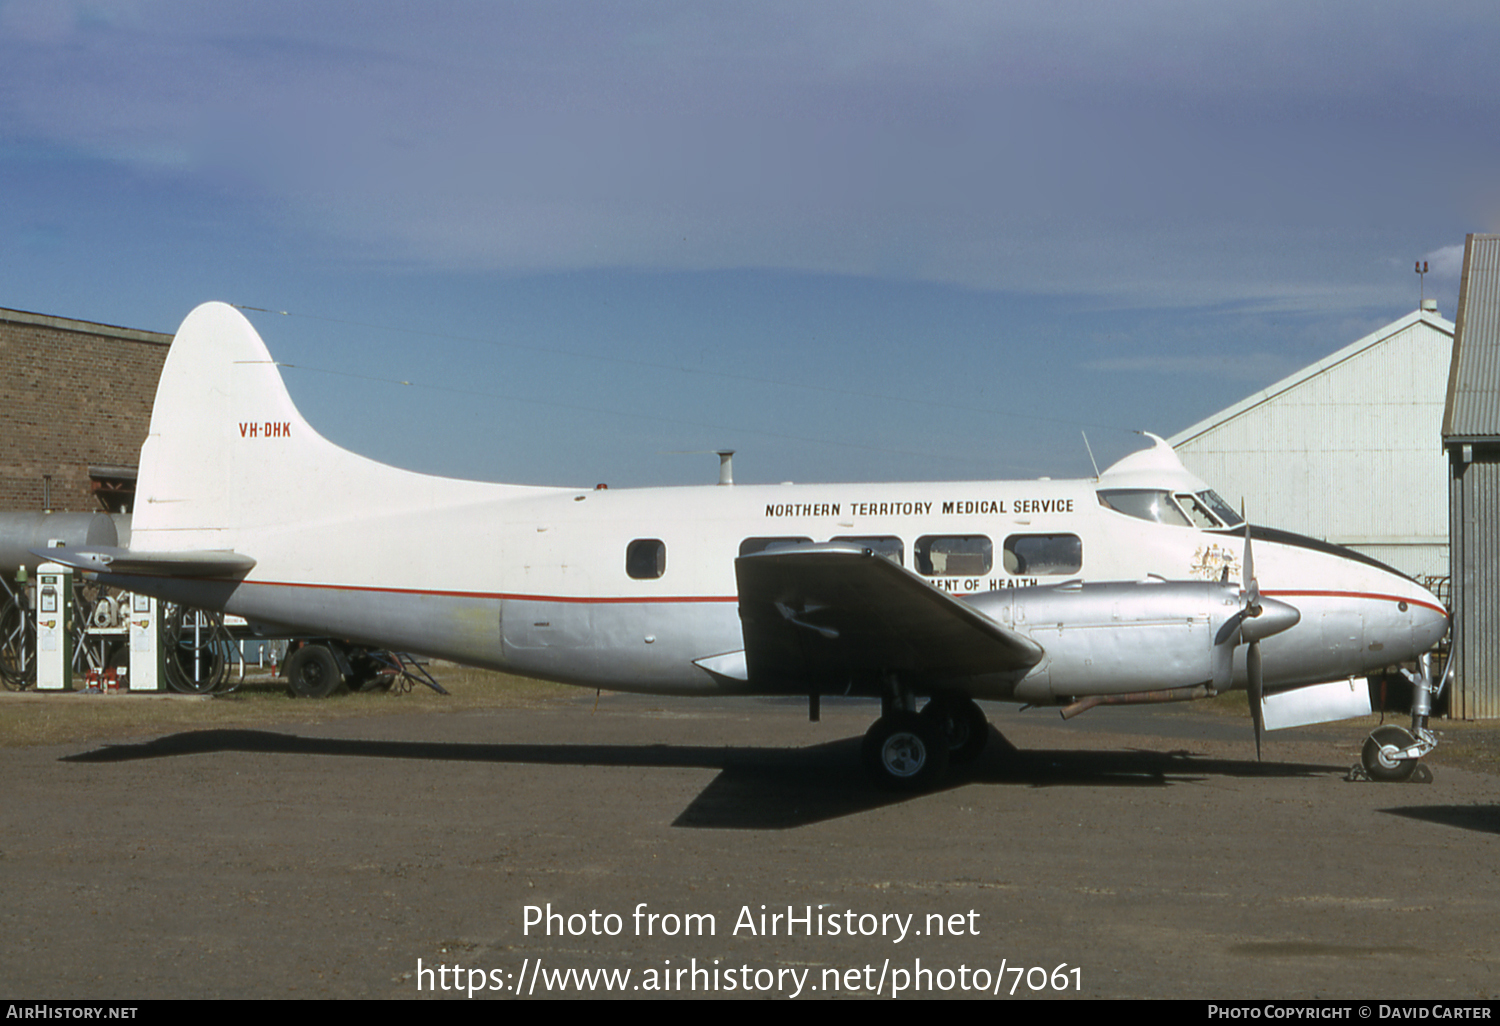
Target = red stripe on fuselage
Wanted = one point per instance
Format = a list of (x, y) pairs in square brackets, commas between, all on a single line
[(499, 595), (1369, 596), (1359, 595)]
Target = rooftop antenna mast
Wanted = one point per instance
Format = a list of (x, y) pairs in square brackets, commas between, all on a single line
[(1422, 274), (1090, 449)]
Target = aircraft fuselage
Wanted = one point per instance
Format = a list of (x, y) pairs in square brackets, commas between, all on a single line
[(547, 588)]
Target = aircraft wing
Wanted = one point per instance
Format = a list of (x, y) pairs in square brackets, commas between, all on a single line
[(830, 612), (202, 563)]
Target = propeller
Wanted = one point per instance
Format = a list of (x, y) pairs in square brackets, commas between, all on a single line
[(1258, 618)]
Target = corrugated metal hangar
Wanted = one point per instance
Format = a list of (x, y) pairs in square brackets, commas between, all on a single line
[(1471, 438), (1347, 450)]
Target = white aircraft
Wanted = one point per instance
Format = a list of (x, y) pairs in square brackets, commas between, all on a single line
[(1134, 587)]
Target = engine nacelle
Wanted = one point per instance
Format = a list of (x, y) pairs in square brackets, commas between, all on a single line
[(1131, 637)]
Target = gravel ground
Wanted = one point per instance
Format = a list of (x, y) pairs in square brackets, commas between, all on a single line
[(375, 848)]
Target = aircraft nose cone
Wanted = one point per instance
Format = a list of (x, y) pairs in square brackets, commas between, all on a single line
[(1428, 625), (1275, 617)]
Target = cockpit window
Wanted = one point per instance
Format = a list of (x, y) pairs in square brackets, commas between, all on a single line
[(1144, 504), (1222, 509), (1197, 512)]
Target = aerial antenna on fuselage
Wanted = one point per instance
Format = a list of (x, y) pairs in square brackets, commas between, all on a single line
[(1090, 449)]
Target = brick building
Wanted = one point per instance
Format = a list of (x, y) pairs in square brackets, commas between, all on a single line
[(75, 404)]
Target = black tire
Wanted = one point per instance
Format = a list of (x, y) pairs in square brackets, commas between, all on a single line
[(313, 672), (962, 724), (904, 752), (1376, 757)]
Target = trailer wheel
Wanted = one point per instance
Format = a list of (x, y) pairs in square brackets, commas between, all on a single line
[(313, 672)]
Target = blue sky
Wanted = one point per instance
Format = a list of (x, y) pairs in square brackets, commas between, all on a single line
[(853, 241)]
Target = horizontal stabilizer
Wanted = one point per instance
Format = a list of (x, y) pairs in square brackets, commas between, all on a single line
[(206, 563), (822, 613)]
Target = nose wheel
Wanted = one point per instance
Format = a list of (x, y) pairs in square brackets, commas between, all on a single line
[(1382, 756), (1392, 754)]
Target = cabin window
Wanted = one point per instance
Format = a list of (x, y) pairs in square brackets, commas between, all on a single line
[(888, 546), (646, 558), (953, 555), (1039, 554), (750, 545), (1144, 504)]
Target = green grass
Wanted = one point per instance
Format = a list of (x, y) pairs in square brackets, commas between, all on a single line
[(33, 718)]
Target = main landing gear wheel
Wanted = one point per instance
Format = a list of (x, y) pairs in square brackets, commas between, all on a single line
[(904, 752), (1379, 754), (961, 724)]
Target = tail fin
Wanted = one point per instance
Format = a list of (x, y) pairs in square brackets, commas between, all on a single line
[(229, 463), (218, 382)]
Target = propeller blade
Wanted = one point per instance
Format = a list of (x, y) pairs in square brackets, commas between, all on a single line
[(1257, 691), (1251, 586)]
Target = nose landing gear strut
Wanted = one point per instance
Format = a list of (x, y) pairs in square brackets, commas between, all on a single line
[(1390, 753)]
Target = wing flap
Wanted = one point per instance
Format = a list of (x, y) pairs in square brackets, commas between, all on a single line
[(828, 612)]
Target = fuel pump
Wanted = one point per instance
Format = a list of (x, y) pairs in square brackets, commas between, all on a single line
[(54, 628), (147, 659)]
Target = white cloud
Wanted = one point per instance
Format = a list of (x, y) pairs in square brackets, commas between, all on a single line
[(1252, 367), (1157, 153), (1447, 262)]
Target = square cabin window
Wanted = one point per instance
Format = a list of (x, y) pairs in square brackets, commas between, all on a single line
[(953, 555), (888, 546), (753, 545), (1039, 554), (646, 558)]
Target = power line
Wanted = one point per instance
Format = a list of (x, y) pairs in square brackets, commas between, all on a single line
[(481, 393), (943, 404)]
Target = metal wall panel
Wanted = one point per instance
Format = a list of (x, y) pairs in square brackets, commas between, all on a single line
[(1474, 394), (1471, 427), (1476, 583), (1349, 451)]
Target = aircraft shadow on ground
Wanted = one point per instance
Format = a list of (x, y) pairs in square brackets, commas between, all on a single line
[(756, 788), (1485, 818)]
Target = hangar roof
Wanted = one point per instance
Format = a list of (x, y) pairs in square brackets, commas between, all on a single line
[(1473, 409), (1286, 384)]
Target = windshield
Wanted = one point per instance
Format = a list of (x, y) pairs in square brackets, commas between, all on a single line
[(1144, 504), (1204, 510)]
